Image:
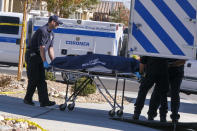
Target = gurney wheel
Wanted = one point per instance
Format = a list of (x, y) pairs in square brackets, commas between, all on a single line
[(112, 113), (62, 107), (71, 106), (119, 113)]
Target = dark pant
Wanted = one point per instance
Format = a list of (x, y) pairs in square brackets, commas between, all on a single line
[(36, 77), (175, 83), (147, 83), (175, 79)]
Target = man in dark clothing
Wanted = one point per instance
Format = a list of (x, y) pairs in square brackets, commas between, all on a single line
[(156, 73), (176, 73), (42, 41)]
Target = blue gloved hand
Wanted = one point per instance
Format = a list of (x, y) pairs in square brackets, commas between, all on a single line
[(138, 75), (45, 64)]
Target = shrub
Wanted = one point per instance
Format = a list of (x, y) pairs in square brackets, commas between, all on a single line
[(50, 76), (89, 89), (4, 81)]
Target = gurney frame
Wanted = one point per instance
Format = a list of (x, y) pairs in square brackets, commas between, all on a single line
[(90, 77)]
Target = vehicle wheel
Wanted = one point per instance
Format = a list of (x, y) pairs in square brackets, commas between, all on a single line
[(71, 106), (119, 113), (111, 113), (62, 107)]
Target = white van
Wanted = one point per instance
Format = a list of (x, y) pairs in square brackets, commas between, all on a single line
[(77, 37), (165, 28), (10, 35), (190, 70)]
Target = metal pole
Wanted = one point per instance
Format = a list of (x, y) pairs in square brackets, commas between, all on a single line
[(21, 51)]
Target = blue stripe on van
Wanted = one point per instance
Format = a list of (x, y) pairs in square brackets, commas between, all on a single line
[(187, 7), (81, 32), (159, 31), (172, 18), (143, 41), (8, 39)]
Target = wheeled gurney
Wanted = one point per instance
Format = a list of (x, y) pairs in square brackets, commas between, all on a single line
[(95, 66)]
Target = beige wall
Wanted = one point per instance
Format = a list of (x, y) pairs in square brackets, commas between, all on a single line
[(1, 5), (85, 15), (6, 5)]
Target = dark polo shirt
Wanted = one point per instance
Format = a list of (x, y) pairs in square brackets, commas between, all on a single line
[(42, 37), (155, 65)]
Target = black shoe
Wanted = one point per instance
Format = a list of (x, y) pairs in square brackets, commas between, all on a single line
[(49, 103), (136, 116), (175, 118), (150, 118), (163, 119), (29, 102)]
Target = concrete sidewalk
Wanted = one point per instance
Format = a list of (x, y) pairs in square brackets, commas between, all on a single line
[(86, 116)]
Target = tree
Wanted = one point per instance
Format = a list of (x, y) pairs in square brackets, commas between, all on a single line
[(61, 8), (64, 8), (115, 16), (120, 16), (32, 4)]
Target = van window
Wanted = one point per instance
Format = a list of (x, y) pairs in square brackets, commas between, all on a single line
[(7, 29)]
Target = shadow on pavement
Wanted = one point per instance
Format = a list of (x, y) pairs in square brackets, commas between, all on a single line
[(184, 107), (85, 116)]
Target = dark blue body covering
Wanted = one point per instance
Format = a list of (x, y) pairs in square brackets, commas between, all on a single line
[(82, 62)]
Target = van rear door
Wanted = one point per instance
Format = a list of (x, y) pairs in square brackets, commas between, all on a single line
[(163, 28)]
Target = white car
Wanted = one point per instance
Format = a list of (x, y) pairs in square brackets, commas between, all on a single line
[(190, 78), (190, 70)]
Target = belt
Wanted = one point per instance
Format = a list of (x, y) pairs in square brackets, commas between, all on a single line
[(33, 53)]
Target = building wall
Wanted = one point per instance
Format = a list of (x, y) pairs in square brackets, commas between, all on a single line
[(1, 5), (80, 14), (6, 5)]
